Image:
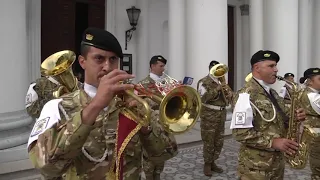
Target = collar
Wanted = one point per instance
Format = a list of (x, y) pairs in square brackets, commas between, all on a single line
[(314, 90), (214, 79), (263, 84), (91, 91), (155, 77)]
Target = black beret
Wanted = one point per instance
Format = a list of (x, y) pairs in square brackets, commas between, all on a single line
[(213, 63), (264, 55), (309, 73), (288, 74), (156, 58), (102, 39)]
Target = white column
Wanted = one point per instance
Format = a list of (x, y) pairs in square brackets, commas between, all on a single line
[(111, 16), (316, 36), (34, 38), (281, 33), (177, 53), (256, 26), (245, 62), (207, 36), (305, 34), (14, 77), (143, 41)]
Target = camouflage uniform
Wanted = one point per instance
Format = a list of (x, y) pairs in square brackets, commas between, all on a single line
[(313, 119), (154, 165), (62, 148), (213, 117), (43, 88), (257, 160)]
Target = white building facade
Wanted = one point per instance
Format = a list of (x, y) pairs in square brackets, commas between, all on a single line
[(189, 33)]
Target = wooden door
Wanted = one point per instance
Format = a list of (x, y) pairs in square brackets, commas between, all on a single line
[(63, 22), (231, 49)]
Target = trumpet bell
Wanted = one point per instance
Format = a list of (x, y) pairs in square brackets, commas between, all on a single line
[(59, 66), (219, 70), (179, 109)]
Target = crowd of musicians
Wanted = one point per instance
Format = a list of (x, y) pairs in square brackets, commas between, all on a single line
[(84, 134)]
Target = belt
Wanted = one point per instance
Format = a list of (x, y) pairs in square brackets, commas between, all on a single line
[(219, 108)]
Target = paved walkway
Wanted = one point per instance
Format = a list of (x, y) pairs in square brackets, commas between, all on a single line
[(188, 164)]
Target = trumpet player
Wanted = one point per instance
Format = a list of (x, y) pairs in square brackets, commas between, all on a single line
[(213, 117), (310, 100), (83, 134), (154, 165), (258, 122)]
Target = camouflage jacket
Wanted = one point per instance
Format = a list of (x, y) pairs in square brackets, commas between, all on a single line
[(212, 94), (313, 118), (39, 93), (43, 89), (171, 144), (255, 150), (69, 146)]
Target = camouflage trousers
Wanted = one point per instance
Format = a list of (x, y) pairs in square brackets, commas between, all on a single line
[(314, 159), (212, 133), (152, 169), (268, 168)]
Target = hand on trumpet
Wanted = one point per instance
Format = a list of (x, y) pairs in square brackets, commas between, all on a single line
[(109, 86)]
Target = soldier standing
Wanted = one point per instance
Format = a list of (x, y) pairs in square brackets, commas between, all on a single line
[(258, 122), (213, 117), (84, 131), (154, 165), (310, 100), (286, 90)]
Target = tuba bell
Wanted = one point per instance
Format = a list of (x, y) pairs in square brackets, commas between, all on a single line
[(58, 69), (179, 105), (219, 71)]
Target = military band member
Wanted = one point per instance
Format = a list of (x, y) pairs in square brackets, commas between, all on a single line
[(286, 90), (258, 122), (81, 131), (310, 100), (213, 117), (154, 165)]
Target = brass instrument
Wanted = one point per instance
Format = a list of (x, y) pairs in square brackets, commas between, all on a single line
[(219, 71), (297, 132), (58, 67), (179, 105)]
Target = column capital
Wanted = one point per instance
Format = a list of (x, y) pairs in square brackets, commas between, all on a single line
[(244, 9)]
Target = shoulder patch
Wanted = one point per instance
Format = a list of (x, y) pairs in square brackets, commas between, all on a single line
[(242, 115), (314, 99), (39, 126)]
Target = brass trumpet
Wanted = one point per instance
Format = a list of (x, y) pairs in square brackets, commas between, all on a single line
[(219, 71), (179, 105), (58, 69)]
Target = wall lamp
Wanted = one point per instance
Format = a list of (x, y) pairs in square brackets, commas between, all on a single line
[(133, 15)]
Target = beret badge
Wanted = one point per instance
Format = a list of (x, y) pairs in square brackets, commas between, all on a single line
[(89, 37), (267, 55), (315, 71), (159, 57)]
